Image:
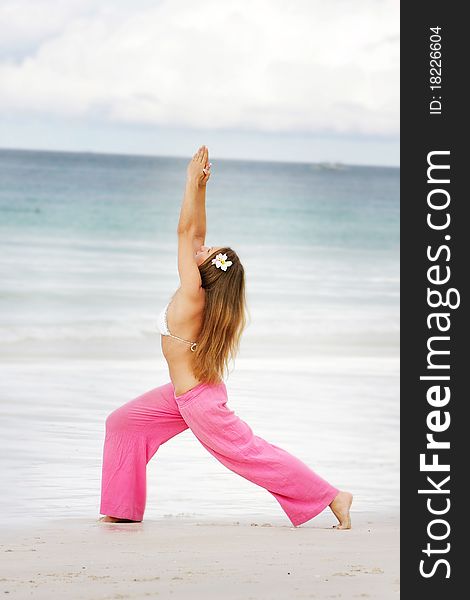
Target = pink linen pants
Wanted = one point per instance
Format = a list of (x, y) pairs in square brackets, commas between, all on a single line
[(135, 431)]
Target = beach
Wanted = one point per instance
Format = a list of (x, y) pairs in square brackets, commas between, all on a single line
[(181, 557), (87, 259)]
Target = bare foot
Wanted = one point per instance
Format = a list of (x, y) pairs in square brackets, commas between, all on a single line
[(116, 520), (340, 507)]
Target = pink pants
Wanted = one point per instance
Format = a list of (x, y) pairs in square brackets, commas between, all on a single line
[(135, 431)]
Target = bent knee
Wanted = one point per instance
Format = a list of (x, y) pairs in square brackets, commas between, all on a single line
[(117, 420)]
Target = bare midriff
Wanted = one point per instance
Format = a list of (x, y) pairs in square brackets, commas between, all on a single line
[(184, 320)]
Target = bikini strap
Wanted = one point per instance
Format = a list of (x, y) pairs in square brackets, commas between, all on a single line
[(192, 344)]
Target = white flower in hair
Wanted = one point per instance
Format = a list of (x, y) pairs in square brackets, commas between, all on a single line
[(221, 262)]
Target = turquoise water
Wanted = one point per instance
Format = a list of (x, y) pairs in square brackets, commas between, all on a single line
[(88, 258), (88, 244), (111, 197)]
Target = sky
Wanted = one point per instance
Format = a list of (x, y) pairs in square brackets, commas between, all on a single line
[(293, 80)]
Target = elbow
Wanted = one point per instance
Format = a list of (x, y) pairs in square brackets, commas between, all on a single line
[(181, 229), (190, 230)]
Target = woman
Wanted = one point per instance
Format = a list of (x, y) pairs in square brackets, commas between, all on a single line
[(201, 328)]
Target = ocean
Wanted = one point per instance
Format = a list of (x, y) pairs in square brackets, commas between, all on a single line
[(88, 258)]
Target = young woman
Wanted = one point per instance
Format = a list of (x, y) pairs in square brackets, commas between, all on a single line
[(201, 328)]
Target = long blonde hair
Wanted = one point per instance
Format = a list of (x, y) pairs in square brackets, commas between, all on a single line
[(224, 317)]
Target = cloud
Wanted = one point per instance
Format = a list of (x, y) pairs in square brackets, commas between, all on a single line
[(26, 24), (261, 65)]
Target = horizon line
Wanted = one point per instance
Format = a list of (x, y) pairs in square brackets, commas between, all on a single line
[(143, 155)]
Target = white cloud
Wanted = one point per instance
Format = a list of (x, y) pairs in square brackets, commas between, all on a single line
[(262, 65)]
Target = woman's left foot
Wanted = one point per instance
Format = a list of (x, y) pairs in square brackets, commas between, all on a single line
[(108, 519), (341, 506)]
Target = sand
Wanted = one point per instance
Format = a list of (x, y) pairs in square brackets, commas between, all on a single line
[(180, 557)]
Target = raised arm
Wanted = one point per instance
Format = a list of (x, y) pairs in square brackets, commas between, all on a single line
[(192, 223), (193, 210)]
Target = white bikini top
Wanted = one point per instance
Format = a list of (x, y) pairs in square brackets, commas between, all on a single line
[(162, 325)]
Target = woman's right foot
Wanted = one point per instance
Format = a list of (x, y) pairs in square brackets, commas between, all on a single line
[(108, 519), (341, 506)]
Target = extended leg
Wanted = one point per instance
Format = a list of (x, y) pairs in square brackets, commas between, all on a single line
[(134, 433), (301, 493)]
